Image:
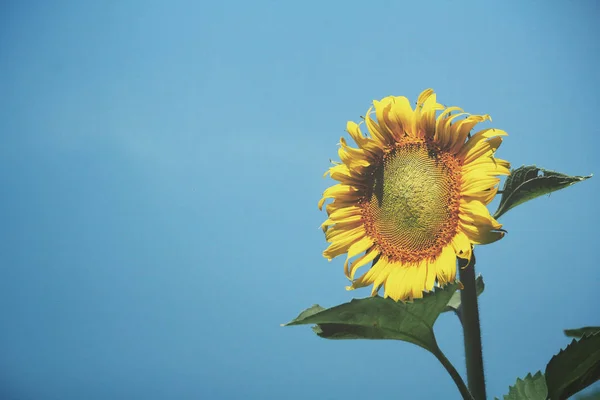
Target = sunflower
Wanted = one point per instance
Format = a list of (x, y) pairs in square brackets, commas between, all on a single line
[(412, 195)]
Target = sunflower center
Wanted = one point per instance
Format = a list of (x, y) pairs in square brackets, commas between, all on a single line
[(412, 209)]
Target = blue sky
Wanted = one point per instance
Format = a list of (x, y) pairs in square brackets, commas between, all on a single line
[(161, 165)]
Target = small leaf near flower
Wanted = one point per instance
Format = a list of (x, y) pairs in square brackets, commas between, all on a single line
[(528, 182)]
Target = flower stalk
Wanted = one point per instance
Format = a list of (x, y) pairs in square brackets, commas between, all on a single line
[(471, 328)]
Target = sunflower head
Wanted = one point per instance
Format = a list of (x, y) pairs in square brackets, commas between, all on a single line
[(412, 195)]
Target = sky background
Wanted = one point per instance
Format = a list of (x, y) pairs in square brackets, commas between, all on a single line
[(161, 164)]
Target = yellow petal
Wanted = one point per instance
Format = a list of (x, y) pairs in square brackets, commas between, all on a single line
[(477, 186), (345, 212), (441, 135), (475, 212), (347, 192), (487, 134), (490, 166), (400, 117), (376, 271), (396, 285), (431, 274), (425, 94), (360, 246), (445, 265), (481, 145), (355, 133), (343, 231), (382, 276), (349, 219), (339, 190), (418, 279), (461, 245), (342, 168), (355, 159), (363, 142), (480, 234), (376, 131), (341, 246), (339, 203), (426, 116), (449, 138), (352, 179), (385, 134), (462, 129), (485, 196), (351, 270)]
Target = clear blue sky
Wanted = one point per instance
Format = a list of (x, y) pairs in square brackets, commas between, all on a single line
[(161, 165)]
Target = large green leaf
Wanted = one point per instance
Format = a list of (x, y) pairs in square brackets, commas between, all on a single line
[(579, 332), (379, 318), (574, 368), (530, 388), (454, 303), (528, 182)]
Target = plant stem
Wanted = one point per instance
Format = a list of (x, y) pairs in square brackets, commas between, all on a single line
[(454, 374), (471, 328)]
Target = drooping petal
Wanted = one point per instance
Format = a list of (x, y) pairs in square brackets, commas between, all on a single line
[(480, 147), (485, 196), (489, 166), (427, 106), (449, 138), (461, 245), (350, 269), (383, 275), (382, 135), (424, 96), (348, 192), (378, 271), (363, 142), (400, 117), (397, 285), (431, 274), (418, 282), (445, 265), (345, 212), (342, 243), (462, 129), (344, 231), (477, 187), (385, 134), (360, 246), (479, 234)]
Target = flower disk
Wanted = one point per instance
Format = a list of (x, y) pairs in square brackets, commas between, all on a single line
[(413, 203), (412, 197)]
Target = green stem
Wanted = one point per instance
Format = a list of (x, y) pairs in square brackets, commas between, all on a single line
[(454, 374), (471, 328)]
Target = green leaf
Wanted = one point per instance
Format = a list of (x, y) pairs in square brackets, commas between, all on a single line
[(454, 303), (379, 318), (530, 388), (579, 332), (574, 368), (528, 182)]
